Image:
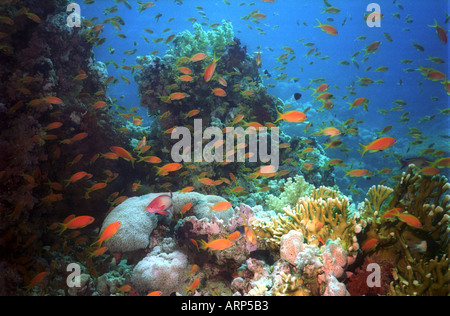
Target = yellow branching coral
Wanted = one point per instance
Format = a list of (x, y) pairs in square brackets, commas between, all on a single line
[(377, 195), (420, 250), (316, 218), (430, 278)]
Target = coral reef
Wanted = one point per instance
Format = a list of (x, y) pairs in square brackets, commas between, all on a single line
[(292, 233), (419, 249)]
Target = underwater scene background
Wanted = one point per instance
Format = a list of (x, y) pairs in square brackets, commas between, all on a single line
[(99, 97)]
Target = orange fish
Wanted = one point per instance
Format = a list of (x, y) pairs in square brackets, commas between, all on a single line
[(124, 288), (154, 293), (98, 252), (192, 113), (292, 117), (319, 226), (206, 181), (110, 155), (35, 281), (198, 57), (370, 244), (99, 105), (358, 102), (52, 198), (79, 136), (151, 159), (221, 206), (330, 131), (187, 189), (237, 119), (194, 243), (265, 171), (372, 48), (250, 235), (219, 92), (378, 144), (52, 100), (193, 270), (164, 170), (442, 163), (185, 70), (76, 177), (322, 88), (123, 153), (108, 232), (52, 126), (186, 207), (409, 219), (76, 223), (178, 96), (160, 204), (193, 286), (356, 172), (258, 58), (391, 213), (234, 236), (185, 78), (222, 81), (441, 32), (218, 244), (327, 28), (209, 71), (429, 171), (95, 187)]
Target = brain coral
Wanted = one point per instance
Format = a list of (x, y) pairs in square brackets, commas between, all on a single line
[(136, 227), (164, 269), (137, 224)]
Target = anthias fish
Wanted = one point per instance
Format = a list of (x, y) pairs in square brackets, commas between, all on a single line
[(160, 204)]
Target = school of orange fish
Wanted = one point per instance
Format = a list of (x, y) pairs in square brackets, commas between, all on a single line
[(161, 205)]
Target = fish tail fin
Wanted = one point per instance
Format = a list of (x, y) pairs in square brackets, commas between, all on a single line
[(95, 242), (243, 216), (62, 229), (214, 57), (320, 24), (435, 24), (363, 150), (280, 116), (203, 244)]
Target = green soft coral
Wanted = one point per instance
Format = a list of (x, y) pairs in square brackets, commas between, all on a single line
[(188, 44), (294, 188)]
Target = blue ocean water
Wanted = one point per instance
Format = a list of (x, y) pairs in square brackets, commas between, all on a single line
[(292, 24)]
